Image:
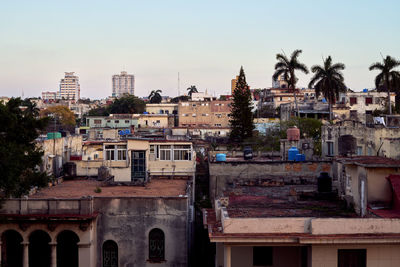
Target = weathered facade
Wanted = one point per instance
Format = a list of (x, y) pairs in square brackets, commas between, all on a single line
[(121, 226)]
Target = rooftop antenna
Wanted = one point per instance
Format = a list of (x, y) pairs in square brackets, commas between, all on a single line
[(382, 56), (179, 81), (22, 94)]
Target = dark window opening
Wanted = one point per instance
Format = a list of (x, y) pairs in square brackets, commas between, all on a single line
[(67, 249), (262, 256), (353, 101), (368, 101), (110, 254), (156, 245), (352, 257), (39, 249), (11, 249)]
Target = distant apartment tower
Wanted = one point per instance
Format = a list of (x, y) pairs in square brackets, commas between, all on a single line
[(123, 83), (50, 96), (233, 84), (69, 87)]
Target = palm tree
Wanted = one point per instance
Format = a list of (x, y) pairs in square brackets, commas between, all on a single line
[(287, 67), (387, 77), (328, 80), (192, 89), (155, 96)]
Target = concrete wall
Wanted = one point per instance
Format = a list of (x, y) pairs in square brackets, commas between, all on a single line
[(128, 221), (377, 255), (224, 175), (372, 141)]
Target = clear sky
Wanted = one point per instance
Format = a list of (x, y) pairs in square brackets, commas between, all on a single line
[(206, 41)]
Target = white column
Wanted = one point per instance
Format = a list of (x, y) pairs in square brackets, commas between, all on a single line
[(53, 254), (25, 262), (227, 256)]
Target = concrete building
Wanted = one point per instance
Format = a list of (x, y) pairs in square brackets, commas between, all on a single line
[(51, 96), (374, 140), (204, 113), (123, 83), (162, 108), (87, 223), (268, 213), (233, 84), (202, 96), (70, 88), (363, 104), (279, 82)]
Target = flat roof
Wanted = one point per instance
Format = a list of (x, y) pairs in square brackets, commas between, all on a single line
[(80, 188), (370, 161)]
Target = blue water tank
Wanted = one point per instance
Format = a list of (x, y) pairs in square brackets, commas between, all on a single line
[(292, 152), (300, 157), (145, 112), (324, 100), (220, 157), (365, 90)]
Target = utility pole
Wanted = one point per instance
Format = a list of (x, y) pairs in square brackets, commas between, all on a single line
[(179, 81)]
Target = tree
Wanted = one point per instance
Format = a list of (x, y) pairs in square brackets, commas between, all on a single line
[(241, 115), (179, 98), (328, 80), (287, 68), (155, 96), (388, 76), (128, 104), (60, 113), (100, 111), (19, 155), (192, 89)]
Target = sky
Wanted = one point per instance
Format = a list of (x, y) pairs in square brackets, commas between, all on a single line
[(205, 41)]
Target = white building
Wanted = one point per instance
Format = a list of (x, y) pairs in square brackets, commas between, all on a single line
[(51, 96), (69, 87), (123, 83)]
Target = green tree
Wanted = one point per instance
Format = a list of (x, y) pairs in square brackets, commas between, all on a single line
[(287, 67), (192, 89), (155, 96), (328, 80), (19, 155), (388, 76), (241, 115), (100, 111), (128, 104)]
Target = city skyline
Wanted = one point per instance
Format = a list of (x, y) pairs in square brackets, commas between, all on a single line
[(205, 42)]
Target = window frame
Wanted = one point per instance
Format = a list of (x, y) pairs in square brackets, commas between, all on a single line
[(152, 257), (115, 152)]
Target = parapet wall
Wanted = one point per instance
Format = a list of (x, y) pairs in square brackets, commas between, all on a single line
[(225, 176)]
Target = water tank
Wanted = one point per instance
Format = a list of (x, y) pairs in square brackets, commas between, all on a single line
[(324, 183), (347, 145), (247, 153), (220, 157), (293, 134), (365, 90), (300, 157), (292, 152)]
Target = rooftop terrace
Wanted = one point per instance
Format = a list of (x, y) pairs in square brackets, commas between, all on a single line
[(82, 188)]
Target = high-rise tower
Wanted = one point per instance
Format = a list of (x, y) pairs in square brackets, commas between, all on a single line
[(123, 83), (69, 87)]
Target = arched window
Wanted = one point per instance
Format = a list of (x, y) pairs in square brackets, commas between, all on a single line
[(39, 249), (67, 249), (11, 249), (110, 254), (156, 245)]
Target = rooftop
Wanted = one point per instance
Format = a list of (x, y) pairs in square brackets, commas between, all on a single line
[(370, 161), (81, 188)]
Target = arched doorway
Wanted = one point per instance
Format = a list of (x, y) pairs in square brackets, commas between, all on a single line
[(11, 249), (67, 249), (39, 249), (110, 254)]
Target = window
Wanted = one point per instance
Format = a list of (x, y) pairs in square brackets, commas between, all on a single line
[(194, 115), (353, 114), (353, 101), (165, 152), (368, 100), (182, 152), (97, 121), (359, 150), (352, 257), (115, 152), (126, 121), (217, 125), (184, 115), (194, 105), (156, 245), (116, 121), (110, 254), (262, 256), (330, 148)]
